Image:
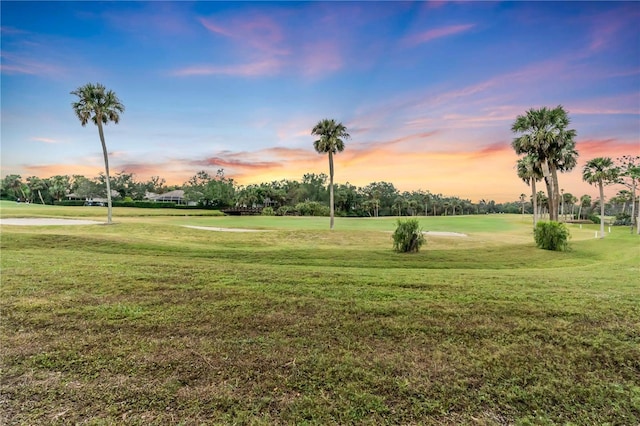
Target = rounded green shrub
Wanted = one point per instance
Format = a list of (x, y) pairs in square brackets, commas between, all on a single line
[(268, 211), (552, 236), (408, 237)]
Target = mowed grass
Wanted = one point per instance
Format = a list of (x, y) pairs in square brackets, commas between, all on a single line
[(149, 322)]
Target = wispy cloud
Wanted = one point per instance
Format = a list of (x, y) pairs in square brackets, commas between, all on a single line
[(17, 64), (11, 30), (237, 165), (45, 140), (261, 68), (265, 44), (609, 147), (160, 19), (609, 27), (435, 33)]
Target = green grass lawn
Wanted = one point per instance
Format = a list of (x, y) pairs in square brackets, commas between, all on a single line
[(148, 322)]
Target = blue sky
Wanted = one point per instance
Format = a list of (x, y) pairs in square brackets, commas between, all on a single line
[(428, 90)]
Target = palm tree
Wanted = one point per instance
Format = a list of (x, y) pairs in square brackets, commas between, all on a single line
[(630, 174), (99, 105), (331, 135), (601, 171), (59, 186), (529, 171), (14, 183), (523, 199), (36, 184), (543, 132), (585, 201)]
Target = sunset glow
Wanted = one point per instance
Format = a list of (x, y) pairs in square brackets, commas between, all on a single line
[(428, 91)]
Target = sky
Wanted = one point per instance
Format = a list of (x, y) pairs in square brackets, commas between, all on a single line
[(427, 90)]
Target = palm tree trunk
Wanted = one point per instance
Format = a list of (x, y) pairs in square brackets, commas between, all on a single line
[(601, 209), (633, 204), (548, 180), (106, 169), (556, 193), (534, 197), (40, 195), (331, 189)]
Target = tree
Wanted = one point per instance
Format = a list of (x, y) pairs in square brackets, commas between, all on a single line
[(600, 171), (59, 186), (330, 141), (314, 187), (101, 106), (14, 184), (585, 201), (543, 132), (529, 171), (630, 176), (522, 199), (36, 185), (569, 201), (208, 191), (155, 184)]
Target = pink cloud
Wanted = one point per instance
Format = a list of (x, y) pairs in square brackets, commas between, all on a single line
[(621, 104), (16, 64), (265, 40), (320, 58), (265, 67), (429, 35), (608, 28), (235, 164), (435, 4), (260, 32), (45, 140), (214, 28), (591, 148)]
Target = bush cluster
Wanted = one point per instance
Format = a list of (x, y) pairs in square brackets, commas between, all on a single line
[(623, 219), (268, 211), (408, 237), (552, 236), (312, 208), (593, 218)]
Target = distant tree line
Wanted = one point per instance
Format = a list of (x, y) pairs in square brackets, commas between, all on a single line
[(308, 196)]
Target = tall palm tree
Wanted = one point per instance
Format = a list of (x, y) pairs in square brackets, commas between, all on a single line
[(101, 106), (331, 141), (529, 171), (600, 171), (543, 132)]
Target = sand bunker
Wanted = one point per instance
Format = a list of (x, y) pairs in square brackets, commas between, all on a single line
[(212, 228), (31, 221)]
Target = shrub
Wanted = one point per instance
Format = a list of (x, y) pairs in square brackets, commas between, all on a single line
[(283, 210), (311, 208), (622, 219), (593, 218), (268, 211), (408, 236), (552, 236)]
